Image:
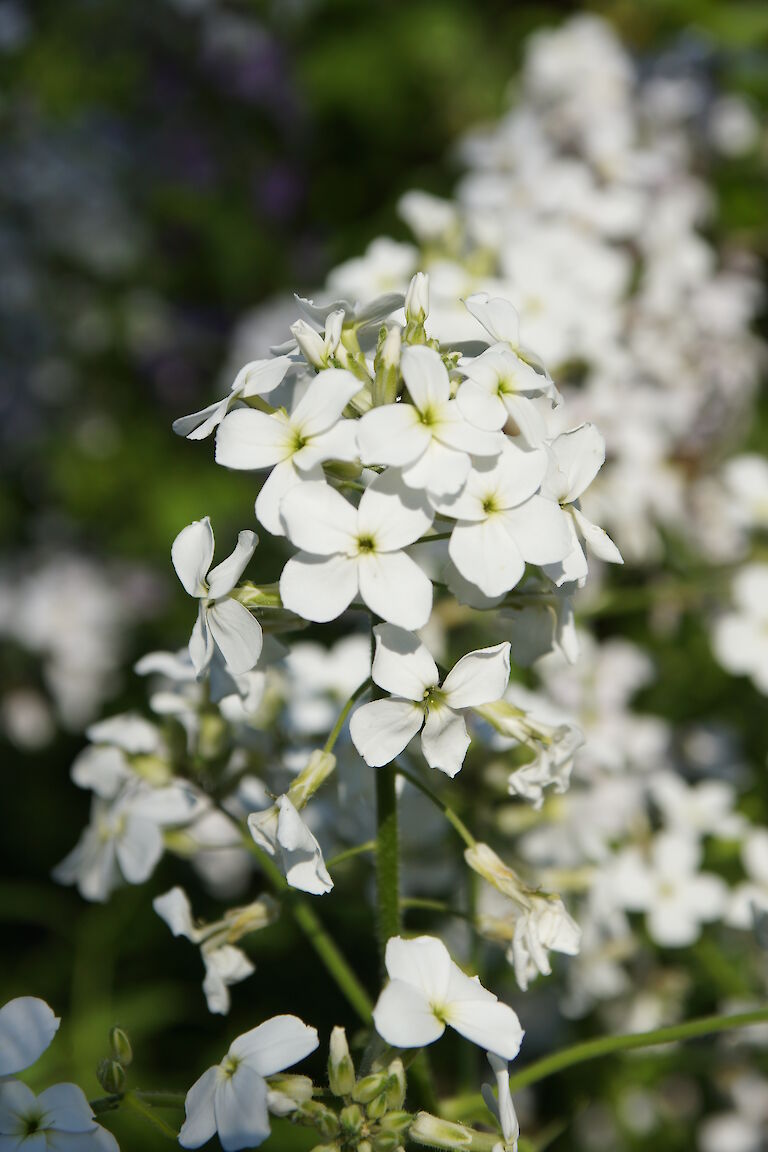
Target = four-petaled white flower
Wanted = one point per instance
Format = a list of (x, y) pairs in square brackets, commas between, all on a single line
[(575, 458), (428, 991), (281, 832), (502, 524), (256, 379), (428, 439), (403, 666), (27, 1027), (292, 445), (346, 550), (231, 1098), (221, 621), (58, 1120)]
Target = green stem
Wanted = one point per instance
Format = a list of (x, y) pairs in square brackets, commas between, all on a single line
[(336, 730), (349, 853), (162, 1099), (138, 1105), (447, 811), (387, 857), (431, 539), (435, 906)]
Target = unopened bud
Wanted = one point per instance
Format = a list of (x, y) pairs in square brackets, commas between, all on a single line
[(396, 1122), (386, 366), (417, 299), (111, 1075), (437, 1133), (317, 771), (487, 864), (311, 344), (320, 1117), (397, 1086), (378, 1107), (386, 1142), (341, 1070), (287, 1093), (327, 1147), (370, 1086), (121, 1046), (351, 1119)]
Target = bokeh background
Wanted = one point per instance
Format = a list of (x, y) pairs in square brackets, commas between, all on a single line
[(165, 169)]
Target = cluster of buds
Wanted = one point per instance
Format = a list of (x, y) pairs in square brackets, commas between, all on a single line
[(111, 1070)]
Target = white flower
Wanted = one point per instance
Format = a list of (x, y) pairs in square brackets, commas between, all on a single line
[(703, 809), (740, 638), (575, 458), (281, 832), (293, 446), (27, 1027), (221, 620), (666, 884), (58, 1120), (256, 379), (502, 524), (501, 1105), (428, 991), (403, 666), (500, 387), (224, 963), (231, 1098), (544, 926), (346, 550), (428, 439), (124, 839), (750, 898)]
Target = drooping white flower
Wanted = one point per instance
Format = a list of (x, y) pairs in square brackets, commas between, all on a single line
[(58, 1120), (740, 637), (502, 523), (501, 1105), (222, 621), (428, 991), (27, 1027), (225, 964), (281, 832), (428, 439), (667, 885), (403, 666), (258, 378), (575, 458), (231, 1098), (346, 550), (292, 445)]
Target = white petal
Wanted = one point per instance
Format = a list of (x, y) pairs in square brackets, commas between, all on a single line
[(497, 316), (392, 514), (337, 443), (517, 475), (302, 858), (200, 642), (260, 377), (486, 555), (423, 962), (68, 1103), (529, 419), (492, 1025), (540, 530), (441, 471), (237, 635), (27, 1027), (480, 406), (403, 1017), (597, 539), (319, 520), (281, 480), (392, 434), (444, 740), (174, 908), (200, 1123), (249, 439), (222, 578), (453, 430), (318, 588), (395, 588), (240, 1105), (275, 1045), (425, 376), (578, 456), (324, 401), (139, 849), (382, 729), (128, 731), (224, 966), (103, 770), (192, 553), (480, 677), (200, 424), (402, 665)]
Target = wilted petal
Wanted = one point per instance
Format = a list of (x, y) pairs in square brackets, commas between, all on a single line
[(174, 908)]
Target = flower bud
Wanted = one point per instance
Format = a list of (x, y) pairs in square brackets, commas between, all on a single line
[(370, 1086), (121, 1046), (259, 914), (417, 299), (327, 1147), (111, 1075), (397, 1086), (386, 1142), (487, 864), (377, 1107), (437, 1133), (310, 343), (317, 771), (320, 1117), (287, 1093), (396, 1122), (387, 366), (341, 1070), (351, 1119)]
